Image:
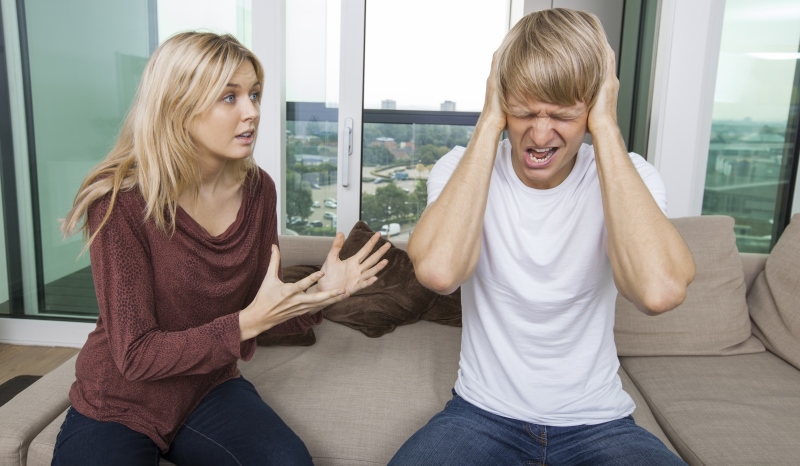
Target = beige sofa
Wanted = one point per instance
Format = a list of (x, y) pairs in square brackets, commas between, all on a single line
[(354, 400)]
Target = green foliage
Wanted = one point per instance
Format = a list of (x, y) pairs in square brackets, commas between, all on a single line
[(298, 197), (376, 156), (429, 154), (420, 194), (388, 202)]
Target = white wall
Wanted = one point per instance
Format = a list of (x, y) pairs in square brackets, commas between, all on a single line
[(687, 53)]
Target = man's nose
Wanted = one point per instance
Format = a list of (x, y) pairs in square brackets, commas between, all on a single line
[(541, 131)]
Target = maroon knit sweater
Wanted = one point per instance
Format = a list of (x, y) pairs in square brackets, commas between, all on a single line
[(168, 330)]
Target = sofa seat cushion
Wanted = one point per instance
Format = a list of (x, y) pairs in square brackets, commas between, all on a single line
[(355, 400), (724, 410)]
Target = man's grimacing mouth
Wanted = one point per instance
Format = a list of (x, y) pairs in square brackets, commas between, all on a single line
[(541, 155)]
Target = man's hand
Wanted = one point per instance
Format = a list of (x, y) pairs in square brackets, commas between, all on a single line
[(492, 113), (355, 273), (603, 114)]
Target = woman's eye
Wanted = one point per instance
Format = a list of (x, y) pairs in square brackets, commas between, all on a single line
[(254, 96), (229, 98)]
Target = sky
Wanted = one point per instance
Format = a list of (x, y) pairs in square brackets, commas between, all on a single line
[(758, 58), (420, 53)]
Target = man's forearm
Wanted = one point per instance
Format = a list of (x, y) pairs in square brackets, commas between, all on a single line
[(652, 264), (446, 242)]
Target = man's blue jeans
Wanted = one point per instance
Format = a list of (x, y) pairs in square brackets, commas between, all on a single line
[(463, 434), (231, 426)]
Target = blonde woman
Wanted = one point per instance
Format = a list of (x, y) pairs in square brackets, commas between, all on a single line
[(182, 230)]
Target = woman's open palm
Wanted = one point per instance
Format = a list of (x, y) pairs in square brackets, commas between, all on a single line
[(356, 272)]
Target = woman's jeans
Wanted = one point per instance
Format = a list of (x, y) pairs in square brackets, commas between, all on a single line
[(463, 434), (232, 425)]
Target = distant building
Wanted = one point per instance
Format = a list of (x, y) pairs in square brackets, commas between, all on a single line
[(388, 104), (447, 106), (388, 143)]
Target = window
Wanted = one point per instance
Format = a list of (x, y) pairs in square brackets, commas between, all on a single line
[(752, 158), (75, 99)]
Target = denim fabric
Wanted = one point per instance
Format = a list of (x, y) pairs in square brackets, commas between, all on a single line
[(463, 434), (231, 426)]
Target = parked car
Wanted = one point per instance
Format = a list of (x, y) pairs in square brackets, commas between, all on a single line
[(401, 175), (315, 223), (314, 186), (390, 229), (329, 215), (330, 204), (315, 204)]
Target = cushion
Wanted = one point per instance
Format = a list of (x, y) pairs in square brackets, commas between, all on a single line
[(713, 320), (397, 298), (733, 410), (774, 300)]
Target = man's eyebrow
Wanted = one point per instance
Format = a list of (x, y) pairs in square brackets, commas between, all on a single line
[(566, 114)]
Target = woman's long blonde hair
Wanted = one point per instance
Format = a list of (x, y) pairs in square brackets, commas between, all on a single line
[(154, 152), (555, 56)]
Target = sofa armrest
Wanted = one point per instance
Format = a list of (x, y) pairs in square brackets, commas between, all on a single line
[(28, 413), (752, 265)]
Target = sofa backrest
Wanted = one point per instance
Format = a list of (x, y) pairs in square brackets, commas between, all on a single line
[(311, 250)]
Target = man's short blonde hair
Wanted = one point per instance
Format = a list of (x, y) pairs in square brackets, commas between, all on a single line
[(555, 56)]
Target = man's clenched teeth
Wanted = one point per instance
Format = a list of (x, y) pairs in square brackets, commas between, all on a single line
[(541, 155)]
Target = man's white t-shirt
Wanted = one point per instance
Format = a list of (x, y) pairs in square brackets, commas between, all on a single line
[(537, 342)]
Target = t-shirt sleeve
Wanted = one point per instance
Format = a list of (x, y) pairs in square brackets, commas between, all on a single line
[(442, 172), (652, 179), (124, 284)]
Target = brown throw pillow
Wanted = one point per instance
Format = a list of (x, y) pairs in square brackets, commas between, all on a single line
[(397, 298), (774, 299), (713, 320), (446, 310), (291, 275)]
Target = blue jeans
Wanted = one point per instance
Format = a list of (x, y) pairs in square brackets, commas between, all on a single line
[(463, 434), (231, 426)]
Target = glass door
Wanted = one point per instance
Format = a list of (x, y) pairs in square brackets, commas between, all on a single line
[(424, 85), (754, 131), (312, 116)]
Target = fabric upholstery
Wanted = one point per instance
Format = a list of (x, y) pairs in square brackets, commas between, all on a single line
[(22, 418), (724, 410), (714, 317), (642, 414), (354, 400), (775, 297)]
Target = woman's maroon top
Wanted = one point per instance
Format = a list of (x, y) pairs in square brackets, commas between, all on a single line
[(168, 330)]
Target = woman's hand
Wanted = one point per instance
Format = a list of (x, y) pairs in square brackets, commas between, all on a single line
[(278, 302), (355, 273)]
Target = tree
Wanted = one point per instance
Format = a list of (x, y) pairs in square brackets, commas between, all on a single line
[(298, 197), (394, 197), (375, 156), (375, 208), (429, 153)]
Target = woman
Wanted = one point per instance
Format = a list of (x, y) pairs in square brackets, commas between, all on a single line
[(182, 229)]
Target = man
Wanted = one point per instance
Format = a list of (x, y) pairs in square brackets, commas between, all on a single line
[(541, 232)]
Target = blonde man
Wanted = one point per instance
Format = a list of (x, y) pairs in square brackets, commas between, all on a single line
[(557, 228)]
